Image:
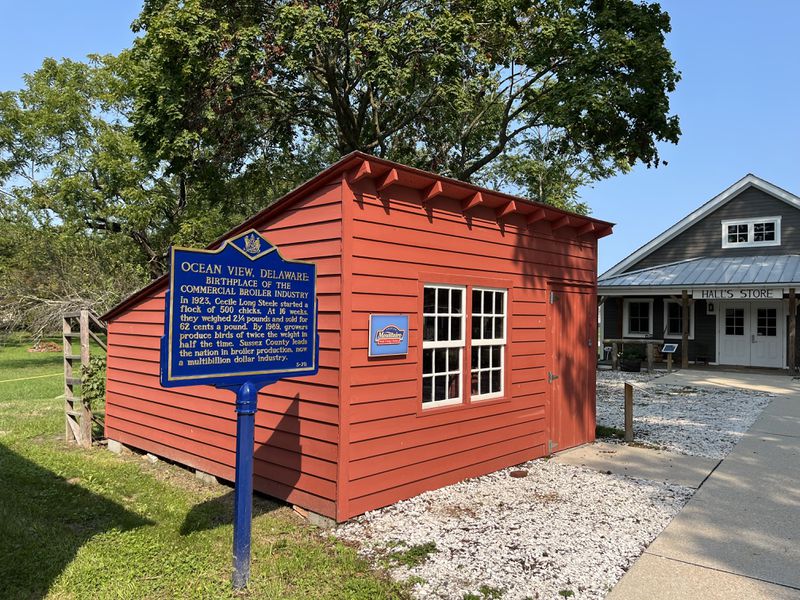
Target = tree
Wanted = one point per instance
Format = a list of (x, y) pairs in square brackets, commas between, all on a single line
[(69, 166), (465, 88), (47, 271)]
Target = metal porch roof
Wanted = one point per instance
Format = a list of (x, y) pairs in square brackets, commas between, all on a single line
[(716, 271)]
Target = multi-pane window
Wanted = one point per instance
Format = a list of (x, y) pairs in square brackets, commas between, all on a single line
[(442, 344), (488, 342), (752, 232), (734, 321), (673, 319), (764, 232), (767, 322), (638, 319)]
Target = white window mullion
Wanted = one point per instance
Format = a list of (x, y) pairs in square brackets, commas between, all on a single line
[(741, 233), (443, 344), (489, 323)]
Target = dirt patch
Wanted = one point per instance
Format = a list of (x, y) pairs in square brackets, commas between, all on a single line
[(45, 347)]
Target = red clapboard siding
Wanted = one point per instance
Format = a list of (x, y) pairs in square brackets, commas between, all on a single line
[(297, 424), (404, 431), (355, 437), (454, 448), (291, 390), (396, 448), (394, 494), (482, 225)]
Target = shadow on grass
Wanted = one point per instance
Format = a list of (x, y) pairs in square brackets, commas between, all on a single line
[(276, 469), (44, 521), (219, 511)]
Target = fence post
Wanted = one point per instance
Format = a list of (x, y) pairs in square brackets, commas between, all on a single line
[(614, 357), (86, 417), (628, 412)]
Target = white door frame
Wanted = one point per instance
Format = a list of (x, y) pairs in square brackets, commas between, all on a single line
[(752, 307)]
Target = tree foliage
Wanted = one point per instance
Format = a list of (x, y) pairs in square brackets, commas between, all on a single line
[(545, 95)]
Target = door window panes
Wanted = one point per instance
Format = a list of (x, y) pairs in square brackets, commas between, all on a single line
[(734, 321), (767, 322)]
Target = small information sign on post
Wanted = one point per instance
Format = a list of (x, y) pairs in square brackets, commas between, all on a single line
[(669, 350), (239, 317)]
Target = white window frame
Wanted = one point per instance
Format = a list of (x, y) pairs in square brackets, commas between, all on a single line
[(433, 345), (625, 321), (674, 336), (750, 229), (501, 341)]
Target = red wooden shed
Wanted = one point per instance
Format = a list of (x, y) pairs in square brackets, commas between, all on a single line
[(500, 295)]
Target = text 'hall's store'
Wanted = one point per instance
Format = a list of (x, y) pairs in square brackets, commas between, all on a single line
[(494, 295)]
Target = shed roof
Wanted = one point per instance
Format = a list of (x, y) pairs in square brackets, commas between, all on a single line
[(358, 165), (705, 272)]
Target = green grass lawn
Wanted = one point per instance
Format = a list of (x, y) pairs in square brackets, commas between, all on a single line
[(90, 524)]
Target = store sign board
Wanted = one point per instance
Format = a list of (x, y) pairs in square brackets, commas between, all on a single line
[(739, 294)]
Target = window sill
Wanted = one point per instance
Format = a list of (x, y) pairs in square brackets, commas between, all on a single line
[(462, 406), (730, 246)]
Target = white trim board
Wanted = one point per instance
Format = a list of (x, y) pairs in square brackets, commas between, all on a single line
[(729, 194)]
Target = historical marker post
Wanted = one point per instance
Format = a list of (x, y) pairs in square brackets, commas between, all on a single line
[(239, 317)]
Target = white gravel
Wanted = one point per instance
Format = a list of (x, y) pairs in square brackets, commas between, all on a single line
[(693, 420), (561, 529)]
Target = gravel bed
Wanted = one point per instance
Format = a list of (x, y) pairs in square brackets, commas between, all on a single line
[(693, 420), (561, 529)]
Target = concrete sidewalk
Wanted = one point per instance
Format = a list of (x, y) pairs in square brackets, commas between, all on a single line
[(642, 463), (739, 535)]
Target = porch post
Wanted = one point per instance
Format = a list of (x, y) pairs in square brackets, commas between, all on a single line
[(685, 324), (792, 331)]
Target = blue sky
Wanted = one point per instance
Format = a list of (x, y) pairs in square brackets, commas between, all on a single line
[(739, 105), (738, 99)]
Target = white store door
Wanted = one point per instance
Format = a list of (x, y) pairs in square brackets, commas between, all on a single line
[(734, 334), (766, 334), (751, 334)]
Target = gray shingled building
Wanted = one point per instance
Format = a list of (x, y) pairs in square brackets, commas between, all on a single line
[(720, 282)]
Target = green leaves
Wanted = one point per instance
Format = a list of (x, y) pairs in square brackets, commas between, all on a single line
[(456, 87), (93, 383)]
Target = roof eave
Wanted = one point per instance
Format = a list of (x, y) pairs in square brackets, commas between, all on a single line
[(357, 166)]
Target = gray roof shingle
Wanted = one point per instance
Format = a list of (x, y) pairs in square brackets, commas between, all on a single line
[(733, 271)]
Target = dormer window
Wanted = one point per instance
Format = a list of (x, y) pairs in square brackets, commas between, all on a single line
[(742, 233)]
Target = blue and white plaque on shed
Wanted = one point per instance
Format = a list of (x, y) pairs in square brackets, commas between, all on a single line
[(238, 313), (388, 335)]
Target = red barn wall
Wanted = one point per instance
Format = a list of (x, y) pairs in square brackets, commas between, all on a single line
[(394, 449), (297, 431)]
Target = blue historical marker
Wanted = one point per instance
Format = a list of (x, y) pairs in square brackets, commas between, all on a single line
[(239, 318), (388, 335)]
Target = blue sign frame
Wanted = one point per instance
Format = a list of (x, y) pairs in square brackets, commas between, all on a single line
[(238, 313), (388, 335)]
